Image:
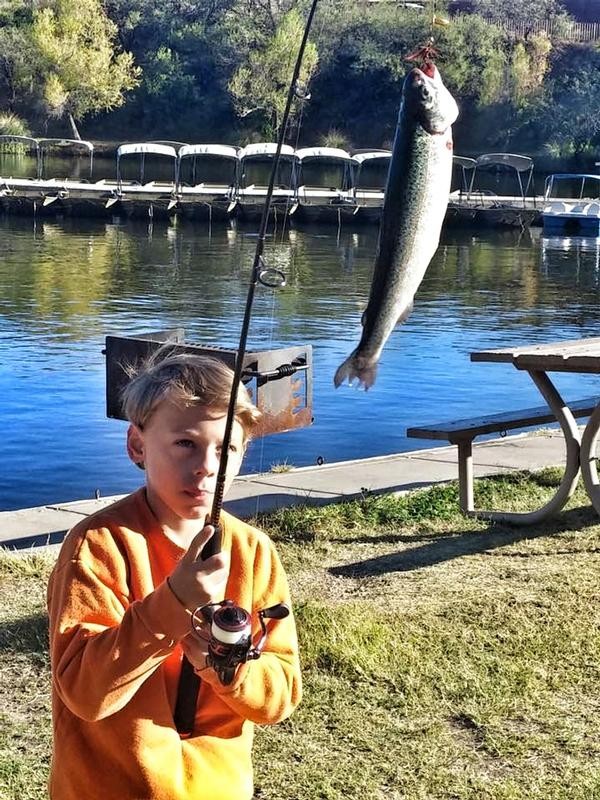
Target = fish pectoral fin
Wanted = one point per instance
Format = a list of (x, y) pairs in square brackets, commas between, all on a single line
[(405, 314)]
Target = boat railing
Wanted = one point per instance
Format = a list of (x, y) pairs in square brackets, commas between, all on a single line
[(576, 182)]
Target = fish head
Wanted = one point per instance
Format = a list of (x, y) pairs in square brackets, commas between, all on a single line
[(426, 100)]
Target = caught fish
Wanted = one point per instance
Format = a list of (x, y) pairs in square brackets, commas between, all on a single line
[(416, 197)]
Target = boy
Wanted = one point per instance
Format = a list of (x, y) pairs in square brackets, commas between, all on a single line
[(120, 600)]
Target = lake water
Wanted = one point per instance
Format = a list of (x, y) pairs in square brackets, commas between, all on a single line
[(66, 284)]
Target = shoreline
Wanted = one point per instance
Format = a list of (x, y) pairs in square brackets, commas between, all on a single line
[(46, 526)]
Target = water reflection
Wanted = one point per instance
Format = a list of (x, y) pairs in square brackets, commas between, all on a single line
[(66, 284), (580, 253)]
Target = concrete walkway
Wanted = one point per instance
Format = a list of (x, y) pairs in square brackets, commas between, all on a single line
[(47, 525)]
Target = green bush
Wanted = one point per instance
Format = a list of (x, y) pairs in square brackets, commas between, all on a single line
[(12, 125), (335, 138)]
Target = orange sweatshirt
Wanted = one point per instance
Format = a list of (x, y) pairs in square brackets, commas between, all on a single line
[(114, 632)]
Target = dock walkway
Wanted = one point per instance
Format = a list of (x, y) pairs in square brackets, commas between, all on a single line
[(46, 525)]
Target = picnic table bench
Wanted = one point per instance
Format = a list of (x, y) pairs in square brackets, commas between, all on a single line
[(462, 432), (578, 356)]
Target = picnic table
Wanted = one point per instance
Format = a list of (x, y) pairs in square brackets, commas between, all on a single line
[(578, 356)]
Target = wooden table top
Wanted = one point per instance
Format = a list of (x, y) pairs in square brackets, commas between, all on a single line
[(579, 355)]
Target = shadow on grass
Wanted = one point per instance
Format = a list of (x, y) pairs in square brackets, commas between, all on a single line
[(26, 635), (446, 547)]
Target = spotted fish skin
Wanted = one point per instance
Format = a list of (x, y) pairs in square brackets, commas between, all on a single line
[(416, 198)]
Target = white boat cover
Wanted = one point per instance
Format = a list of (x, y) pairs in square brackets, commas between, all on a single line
[(265, 149), (323, 152), (26, 140), (520, 163), (146, 148), (358, 158), (464, 162), (45, 143), (225, 150)]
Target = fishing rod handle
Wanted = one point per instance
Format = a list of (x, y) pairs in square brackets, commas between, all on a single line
[(213, 546)]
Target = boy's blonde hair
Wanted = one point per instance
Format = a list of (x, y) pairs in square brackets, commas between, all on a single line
[(186, 379)]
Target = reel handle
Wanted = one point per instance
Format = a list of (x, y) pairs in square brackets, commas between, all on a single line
[(278, 611)]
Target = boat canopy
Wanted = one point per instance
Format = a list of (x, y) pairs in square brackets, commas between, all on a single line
[(265, 149), (144, 149), (324, 168), (368, 155), (214, 164), (27, 141), (46, 144), (464, 162), (70, 144), (223, 150), (371, 169), (323, 152), (465, 165), (255, 163), (169, 143), (520, 164)]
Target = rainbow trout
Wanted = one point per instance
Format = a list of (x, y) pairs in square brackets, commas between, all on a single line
[(416, 197)]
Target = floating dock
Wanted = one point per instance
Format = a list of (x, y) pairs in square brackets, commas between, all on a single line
[(155, 199), (215, 181)]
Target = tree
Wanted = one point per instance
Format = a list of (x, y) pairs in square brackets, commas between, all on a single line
[(78, 69), (15, 52), (262, 84), (517, 11), (188, 56), (566, 118), (363, 49)]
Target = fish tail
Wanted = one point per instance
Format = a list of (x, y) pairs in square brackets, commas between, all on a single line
[(356, 367)]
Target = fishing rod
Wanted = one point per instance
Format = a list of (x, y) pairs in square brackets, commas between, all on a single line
[(260, 274), (230, 642)]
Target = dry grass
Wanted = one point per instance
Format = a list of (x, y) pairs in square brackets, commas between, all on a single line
[(443, 658)]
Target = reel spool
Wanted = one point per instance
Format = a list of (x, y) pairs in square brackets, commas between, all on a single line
[(230, 641)]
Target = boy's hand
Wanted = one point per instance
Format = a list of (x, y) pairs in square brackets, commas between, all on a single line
[(195, 650), (195, 582)]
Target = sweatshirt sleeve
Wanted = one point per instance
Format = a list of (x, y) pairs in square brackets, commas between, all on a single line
[(268, 689), (102, 645)]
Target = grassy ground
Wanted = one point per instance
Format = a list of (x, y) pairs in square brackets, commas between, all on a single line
[(443, 658)]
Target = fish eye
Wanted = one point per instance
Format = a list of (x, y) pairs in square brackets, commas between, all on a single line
[(425, 93)]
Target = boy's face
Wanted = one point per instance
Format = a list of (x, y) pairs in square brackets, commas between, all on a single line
[(181, 449)]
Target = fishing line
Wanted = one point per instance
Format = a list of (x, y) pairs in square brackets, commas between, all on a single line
[(261, 459), (294, 180)]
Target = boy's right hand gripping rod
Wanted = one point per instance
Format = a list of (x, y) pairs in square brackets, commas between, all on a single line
[(189, 681)]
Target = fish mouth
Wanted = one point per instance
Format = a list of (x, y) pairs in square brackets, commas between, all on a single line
[(427, 70), (431, 103)]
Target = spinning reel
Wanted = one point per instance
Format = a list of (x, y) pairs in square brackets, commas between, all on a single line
[(230, 642)]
